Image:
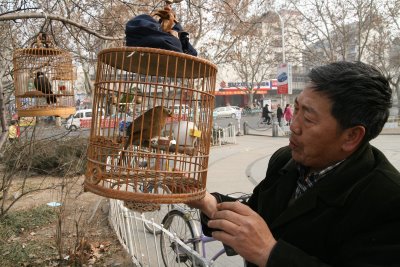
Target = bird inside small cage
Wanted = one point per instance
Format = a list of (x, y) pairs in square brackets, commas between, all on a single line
[(43, 85)]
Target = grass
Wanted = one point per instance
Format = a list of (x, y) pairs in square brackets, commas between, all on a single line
[(17, 246)]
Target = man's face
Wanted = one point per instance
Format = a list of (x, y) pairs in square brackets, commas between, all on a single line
[(316, 139)]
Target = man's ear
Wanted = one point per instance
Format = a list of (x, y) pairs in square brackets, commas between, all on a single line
[(353, 138)]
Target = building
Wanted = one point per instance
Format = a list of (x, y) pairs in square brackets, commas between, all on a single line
[(235, 91)]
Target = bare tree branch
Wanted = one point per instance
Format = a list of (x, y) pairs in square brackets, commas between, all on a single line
[(34, 15)]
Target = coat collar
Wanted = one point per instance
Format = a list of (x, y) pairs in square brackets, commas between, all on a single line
[(333, 190)]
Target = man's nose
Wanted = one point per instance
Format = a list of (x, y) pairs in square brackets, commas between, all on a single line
[(295, 125)]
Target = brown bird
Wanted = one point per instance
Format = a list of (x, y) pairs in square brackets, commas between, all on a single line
[(167, 20), (43, 40), (147, 126)]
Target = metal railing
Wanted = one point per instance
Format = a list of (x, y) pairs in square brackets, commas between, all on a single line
[(143, 246), (222, 136)]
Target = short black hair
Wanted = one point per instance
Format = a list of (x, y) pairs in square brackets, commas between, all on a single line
[(360, 94)]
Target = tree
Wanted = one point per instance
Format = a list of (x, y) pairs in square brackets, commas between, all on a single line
[(252, 60), (349, 30)]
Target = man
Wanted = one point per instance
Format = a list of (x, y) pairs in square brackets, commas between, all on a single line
[(329, 198), (265, 114), (279, 114)]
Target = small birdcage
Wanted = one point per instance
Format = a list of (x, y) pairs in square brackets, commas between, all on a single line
[(43, 80), (151, 126)]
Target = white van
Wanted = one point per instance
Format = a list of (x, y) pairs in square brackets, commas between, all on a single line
[(82, 118)]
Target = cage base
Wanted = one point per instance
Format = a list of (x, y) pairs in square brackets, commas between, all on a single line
[(63, 112), (176, 196)]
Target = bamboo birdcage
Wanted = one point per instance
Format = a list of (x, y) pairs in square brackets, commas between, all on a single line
[(56, 66), (162, 156)]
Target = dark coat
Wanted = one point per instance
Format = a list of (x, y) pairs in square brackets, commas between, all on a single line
[(265, 111), (145, 31), (279, 113), (349, 218)]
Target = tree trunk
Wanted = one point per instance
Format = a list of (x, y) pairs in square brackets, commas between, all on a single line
[(3, 121)]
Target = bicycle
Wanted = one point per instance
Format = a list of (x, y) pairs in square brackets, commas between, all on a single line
[(183, 222)]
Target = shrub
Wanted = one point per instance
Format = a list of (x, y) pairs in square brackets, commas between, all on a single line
[(61, 157)]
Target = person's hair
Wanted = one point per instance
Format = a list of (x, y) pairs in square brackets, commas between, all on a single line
[(359, 93)]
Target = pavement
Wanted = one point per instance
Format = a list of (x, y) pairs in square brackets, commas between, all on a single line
[(239, 167)]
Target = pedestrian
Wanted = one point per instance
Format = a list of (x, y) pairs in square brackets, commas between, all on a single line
[(279, 114), (288, 114), (329, 198), (265, 114), (13, 132)]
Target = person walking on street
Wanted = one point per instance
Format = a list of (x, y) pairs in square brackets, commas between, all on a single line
[(329, 198), (265, 114), (288, 114), (279, 114), (13, 132)]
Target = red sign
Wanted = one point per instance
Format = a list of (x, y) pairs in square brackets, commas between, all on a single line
[(283, 89), (105, 123), (230, 92)]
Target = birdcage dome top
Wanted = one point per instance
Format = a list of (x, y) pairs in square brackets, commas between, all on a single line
[(154, 61)]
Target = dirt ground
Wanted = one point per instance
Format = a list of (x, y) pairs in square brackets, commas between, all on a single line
[(84, 225)]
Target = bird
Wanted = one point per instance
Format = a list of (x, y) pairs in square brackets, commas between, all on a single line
[(168, 17), (42, 40), (43, 84), (167, 20), (147, 126)]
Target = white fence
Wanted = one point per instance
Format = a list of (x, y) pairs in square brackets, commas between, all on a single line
[(143, 246), (221, 136)]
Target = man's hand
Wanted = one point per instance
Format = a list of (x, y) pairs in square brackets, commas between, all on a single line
[(208, 204), (244, 230)]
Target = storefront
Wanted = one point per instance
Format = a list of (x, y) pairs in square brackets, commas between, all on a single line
[(237, 94)]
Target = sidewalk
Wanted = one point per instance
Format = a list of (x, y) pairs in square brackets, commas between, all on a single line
[(390, 131), (239, 167)]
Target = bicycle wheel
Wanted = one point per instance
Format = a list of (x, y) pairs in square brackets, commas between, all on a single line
[(158, 214), (178, 223)]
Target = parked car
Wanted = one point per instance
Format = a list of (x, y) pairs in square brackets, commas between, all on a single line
[(237, 108), (75, 121), (225, 112), (185, 111), (182, 109)]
